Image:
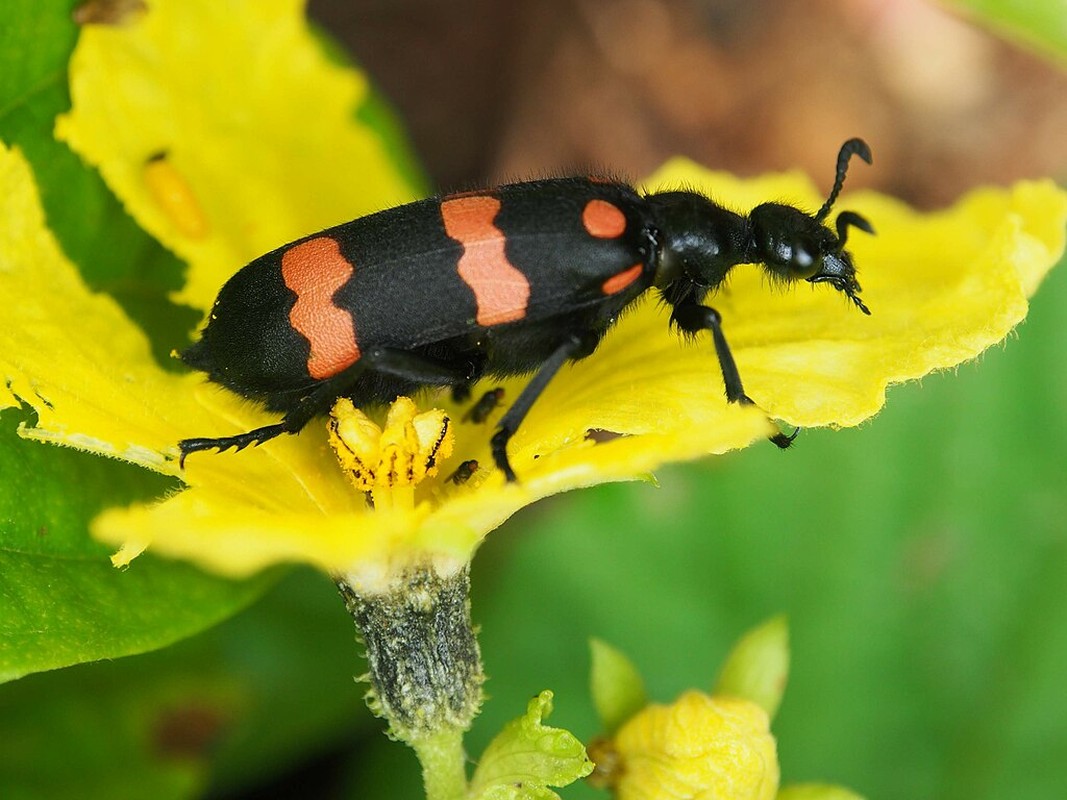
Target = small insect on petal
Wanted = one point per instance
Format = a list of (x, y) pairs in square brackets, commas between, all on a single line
[(464, 472), (407, 450), (480, 411), (175, 197)]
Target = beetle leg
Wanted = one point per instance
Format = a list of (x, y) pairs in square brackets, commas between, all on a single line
[(387, 361), (577, 345), (293, 422), (414, 367), (693, 318), (238, 442)]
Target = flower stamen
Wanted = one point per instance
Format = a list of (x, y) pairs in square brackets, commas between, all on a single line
[(389, 462)]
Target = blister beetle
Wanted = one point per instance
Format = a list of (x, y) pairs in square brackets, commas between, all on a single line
[(511, 281)]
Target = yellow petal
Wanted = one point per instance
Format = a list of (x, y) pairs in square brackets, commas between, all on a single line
[(253, 128), (806, 355), (73, 355), (251, 163), (88, 372), (237, 537)]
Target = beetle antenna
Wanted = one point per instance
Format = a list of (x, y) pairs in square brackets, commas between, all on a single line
[(853, 147), (846, 218), (859, 303)]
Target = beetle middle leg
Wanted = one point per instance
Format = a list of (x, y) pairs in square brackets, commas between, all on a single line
[(693, 318), (575, 346)]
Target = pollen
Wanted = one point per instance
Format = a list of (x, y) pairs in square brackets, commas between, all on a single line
[(389, 461)]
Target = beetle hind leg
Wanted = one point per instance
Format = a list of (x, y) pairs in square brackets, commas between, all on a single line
[(575, 346), (238, 442), (293, 422), (390, 362)]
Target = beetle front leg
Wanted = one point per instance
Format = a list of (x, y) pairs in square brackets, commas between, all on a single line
[(576, 345), (693, 318)]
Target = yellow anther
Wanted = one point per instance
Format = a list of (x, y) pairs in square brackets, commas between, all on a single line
[(409, 449)]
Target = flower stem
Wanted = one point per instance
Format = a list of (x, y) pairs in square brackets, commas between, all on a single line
[(425, 669), (443, 761)]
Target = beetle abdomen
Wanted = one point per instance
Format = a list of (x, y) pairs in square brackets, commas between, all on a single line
[(424, 276)]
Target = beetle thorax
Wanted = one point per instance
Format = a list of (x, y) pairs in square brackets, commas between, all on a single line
[(697, 241)]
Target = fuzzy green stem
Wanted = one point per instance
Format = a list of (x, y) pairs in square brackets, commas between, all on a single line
[(443, 761), (425, 669)]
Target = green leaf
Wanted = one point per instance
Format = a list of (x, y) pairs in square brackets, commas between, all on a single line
[(61, 601), (617, 687), (527, 757), (1042, 24), (233, 708), (758, 666)]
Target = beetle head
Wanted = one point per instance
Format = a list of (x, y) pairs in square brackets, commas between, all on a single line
[(796, 246), (698, 242)]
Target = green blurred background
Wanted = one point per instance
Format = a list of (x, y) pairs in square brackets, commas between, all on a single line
[(921, 559)]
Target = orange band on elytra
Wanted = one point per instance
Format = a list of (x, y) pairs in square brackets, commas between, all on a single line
[(616, 283), (501, 291), (315, 270), (603, 220)]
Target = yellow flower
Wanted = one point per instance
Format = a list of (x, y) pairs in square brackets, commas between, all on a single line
[(701, 747), (225, 132), (698, 748)]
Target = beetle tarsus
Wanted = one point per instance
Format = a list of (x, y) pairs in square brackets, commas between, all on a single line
[(499, 445), (783, 440), (224, 443)]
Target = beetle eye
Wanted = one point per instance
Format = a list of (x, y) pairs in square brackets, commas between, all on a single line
[(802, 263), (787, 241), (795, 260)]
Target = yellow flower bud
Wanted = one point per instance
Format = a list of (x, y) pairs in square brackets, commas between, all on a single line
[(697, 748)]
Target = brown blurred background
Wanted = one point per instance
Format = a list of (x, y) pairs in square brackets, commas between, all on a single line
[(507, 89)]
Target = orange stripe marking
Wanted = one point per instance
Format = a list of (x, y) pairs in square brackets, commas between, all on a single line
[(501, 291), (616, 283), (603, 220), (315, 270)]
